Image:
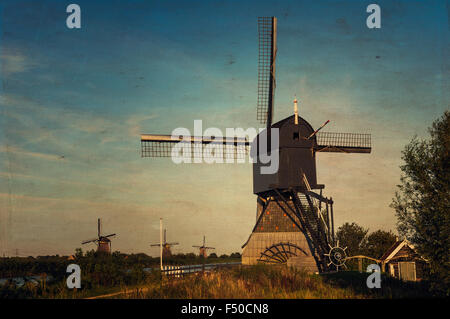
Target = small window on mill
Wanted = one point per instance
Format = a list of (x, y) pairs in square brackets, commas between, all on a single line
[(296, 136)]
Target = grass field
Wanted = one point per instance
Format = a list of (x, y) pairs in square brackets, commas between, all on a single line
[(243, 282), (275, 282)]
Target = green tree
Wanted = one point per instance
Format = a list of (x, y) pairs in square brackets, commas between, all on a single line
[(422, 202), (235, 255), (353, 237), (191, 256), (378, 242), (78, 253)]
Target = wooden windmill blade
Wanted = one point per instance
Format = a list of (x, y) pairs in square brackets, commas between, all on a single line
[(89, 241), (165, 241), (157, 145), (110, 235), (267, 30), (99, 226), (343, 142)]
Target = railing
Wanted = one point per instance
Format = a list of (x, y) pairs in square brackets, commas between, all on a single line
[(315, 206), (182, 270)]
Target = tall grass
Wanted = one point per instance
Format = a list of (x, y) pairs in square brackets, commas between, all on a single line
[(243, 282), (246, 283)]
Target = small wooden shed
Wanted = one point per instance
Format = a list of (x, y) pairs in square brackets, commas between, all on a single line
[(402, 261)]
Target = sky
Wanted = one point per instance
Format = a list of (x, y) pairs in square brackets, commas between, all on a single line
[(74, 102)]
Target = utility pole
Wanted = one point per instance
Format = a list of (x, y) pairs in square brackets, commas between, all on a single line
[(160, 243)]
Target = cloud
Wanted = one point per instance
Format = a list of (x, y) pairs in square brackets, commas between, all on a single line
[(14, 175), (84, 202), (134, 123), (106, 127), (15, 63), (19, 151)]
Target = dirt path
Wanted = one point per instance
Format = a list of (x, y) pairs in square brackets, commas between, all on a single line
[(123, 292)]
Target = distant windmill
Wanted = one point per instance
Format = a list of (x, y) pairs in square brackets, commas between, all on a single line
[(203, 248), (103, 242), (166, 246)]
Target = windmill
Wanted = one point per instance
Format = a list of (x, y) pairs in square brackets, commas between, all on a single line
[(294, 221), (166, 246), (203, 248), (103, 242)]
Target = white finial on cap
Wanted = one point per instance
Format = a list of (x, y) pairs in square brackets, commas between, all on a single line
[(296, 110)]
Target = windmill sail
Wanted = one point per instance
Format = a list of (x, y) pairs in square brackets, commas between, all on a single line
[(343, 142), (153, 145), (267, 29), (89, 241), (164, 243), (204, 245), (103, 243)]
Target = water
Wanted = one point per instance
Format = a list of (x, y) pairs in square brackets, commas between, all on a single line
[(20, 281)]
